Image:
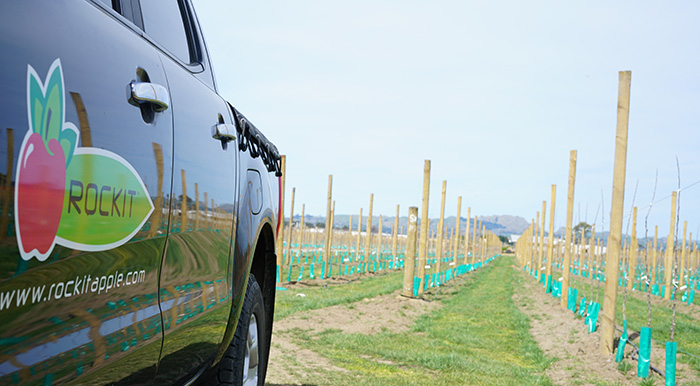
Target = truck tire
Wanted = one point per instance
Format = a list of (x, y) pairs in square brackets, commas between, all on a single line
[(244, 361)]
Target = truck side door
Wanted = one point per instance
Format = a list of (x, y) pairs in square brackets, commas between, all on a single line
[(87, 163), (195, 281)]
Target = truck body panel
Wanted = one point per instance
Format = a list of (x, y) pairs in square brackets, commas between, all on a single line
[(128, 228)]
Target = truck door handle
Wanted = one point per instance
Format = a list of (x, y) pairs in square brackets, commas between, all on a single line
[(223, 132), (150, 94)]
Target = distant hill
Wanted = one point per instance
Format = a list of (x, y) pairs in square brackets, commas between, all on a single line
[(506, 225), (502, 225)]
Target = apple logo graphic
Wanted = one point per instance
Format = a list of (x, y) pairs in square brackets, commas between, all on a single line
[(41, 171)]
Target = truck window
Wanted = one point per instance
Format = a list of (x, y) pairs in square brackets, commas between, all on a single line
[(129, 9), (164, 22)]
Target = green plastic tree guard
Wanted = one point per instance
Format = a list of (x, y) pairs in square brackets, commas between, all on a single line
[(416, 286), (623, 342), (573, 294), (582, 307), (592, 322), (671, 350), (644, 352)]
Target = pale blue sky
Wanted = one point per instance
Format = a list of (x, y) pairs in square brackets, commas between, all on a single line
[(494, 93)]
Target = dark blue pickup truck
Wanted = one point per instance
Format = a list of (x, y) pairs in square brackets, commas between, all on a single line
[(138, 208)]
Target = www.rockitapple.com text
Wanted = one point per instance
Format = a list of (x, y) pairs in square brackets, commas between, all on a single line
[(69, 288)]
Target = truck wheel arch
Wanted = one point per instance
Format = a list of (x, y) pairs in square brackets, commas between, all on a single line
[(264, 267)]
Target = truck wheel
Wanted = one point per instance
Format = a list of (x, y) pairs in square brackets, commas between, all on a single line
[(244, 361)]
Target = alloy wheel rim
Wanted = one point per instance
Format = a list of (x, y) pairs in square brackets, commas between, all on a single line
[(250, 365)]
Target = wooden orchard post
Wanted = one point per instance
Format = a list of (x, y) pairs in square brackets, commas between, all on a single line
[(440, 231), (634, 246), (327, 246), (456, 237), (359, 235), (209, 220), (482, 240), (532, 256), (348, 238), (301, 228), (368, 238), (540, 251), (535, 246), (654, 270), (592, 245), (692, 266), (550, 237), (290, 228), (670, 246), (424, 226), (183, 203), (522, 248), (329, 266), (612, 262), (380, 228), (215, 220), (684, 255), (158, 204), (410, 257), (567, 242), (474, 240), (196, 206), (466, 235), (395, 238)]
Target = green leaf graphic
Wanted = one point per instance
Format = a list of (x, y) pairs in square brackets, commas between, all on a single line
[(68, 140), (36, 103), (105, 202), (46, 104), (52, 119)]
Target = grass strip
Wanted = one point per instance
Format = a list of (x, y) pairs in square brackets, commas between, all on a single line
[(478, 337), (321, 294)]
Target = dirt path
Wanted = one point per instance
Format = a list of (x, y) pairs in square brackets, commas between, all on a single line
[(564, 336), (292, 365)]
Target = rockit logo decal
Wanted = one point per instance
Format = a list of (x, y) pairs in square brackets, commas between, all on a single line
[(80, 197)]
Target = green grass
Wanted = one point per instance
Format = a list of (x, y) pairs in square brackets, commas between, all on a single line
[(647, 382), (624, 366), (478, 337), (318, 295)]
